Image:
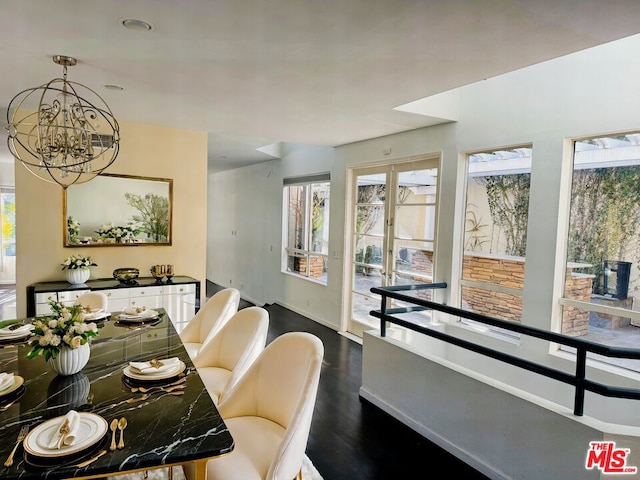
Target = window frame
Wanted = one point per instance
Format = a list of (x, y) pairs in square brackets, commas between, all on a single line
[(305, 252), (563, 301), (487, 286)]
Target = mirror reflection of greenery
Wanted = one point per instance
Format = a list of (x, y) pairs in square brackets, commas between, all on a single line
[(154, 214), (73, 227)]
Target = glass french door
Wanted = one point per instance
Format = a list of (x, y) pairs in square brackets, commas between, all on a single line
[(393, 231)]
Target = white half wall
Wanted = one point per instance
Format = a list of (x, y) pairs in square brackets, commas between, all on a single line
[(502, 432)]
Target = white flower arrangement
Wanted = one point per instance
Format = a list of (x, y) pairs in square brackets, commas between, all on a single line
[(120, 233), (77, 261), (64, 328)]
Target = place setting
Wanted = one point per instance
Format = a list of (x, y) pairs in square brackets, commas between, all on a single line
[(156, 376), (76, 438), (15, 333), (138, 316), (11, 389)]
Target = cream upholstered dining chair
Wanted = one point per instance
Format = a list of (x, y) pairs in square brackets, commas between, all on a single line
[(269, 412), (232, 350), (93, 300), (213, 315)]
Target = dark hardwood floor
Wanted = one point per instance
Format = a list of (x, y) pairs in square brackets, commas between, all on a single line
[(350, 438)]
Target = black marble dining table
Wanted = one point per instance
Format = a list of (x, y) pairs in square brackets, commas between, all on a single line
[(164, 428)]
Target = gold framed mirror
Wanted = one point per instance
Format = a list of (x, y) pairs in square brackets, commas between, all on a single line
[(118, 210)]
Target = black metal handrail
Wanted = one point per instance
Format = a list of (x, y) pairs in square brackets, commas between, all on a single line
[(578, 380)]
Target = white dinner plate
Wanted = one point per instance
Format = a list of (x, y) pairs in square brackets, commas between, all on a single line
[(17, 383), (153, 377), (21, 332), (91, 430), (142, 317)]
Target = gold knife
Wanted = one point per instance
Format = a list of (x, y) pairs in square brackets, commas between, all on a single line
[(92, 459)]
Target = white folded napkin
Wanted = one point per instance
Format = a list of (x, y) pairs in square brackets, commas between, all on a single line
[(61, 439), (6, 380), (15, 332), (144, 314), (137, 311), (152, 368)]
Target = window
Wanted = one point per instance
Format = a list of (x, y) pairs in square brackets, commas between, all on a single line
[(8, 206), (306, 226), (394, 210), (495, 232), (602, 276)]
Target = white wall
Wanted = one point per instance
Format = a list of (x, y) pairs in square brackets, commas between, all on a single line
[(145, 150), (588, 93)]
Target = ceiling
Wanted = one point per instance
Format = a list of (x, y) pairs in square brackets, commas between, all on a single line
[(254, 73)]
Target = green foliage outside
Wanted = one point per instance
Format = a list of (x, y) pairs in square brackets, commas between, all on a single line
[(605, 216), (508, 198), (9, 224)]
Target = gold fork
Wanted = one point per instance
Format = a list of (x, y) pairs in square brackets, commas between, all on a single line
[(21, 435)]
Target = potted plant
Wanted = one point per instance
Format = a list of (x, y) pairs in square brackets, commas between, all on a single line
[(77, 268), (63, 338)]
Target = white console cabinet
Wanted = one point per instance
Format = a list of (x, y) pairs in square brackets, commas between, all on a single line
[(180, 299), (180, 304), (66, 298), (149, 297)]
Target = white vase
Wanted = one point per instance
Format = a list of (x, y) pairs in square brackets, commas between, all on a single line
[(70, 360), (77, 276)]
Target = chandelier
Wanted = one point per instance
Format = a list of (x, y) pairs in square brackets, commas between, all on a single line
[(69, 136)]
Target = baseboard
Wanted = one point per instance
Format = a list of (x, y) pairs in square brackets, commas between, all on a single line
[(306, 314), (351, 336)]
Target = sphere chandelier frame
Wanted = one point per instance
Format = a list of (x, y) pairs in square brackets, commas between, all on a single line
[(65, 138)]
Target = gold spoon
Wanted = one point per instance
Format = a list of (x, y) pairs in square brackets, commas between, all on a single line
[(122, 424), (114, 427)]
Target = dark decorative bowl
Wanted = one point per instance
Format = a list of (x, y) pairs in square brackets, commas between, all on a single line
[(126, 275)]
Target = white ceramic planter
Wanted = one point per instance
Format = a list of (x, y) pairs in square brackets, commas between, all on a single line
[(71, 360), (77, 276)]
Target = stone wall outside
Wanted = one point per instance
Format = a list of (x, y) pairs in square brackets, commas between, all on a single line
[(509, 272)]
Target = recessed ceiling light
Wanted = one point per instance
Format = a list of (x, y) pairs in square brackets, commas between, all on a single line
[(113, 87), (135, 24)]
